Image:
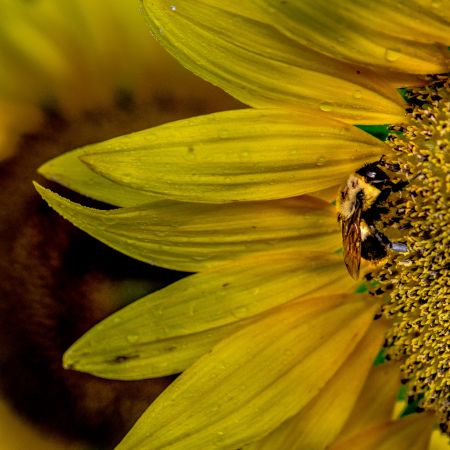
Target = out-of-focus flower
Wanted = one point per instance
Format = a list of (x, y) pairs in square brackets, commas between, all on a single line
[(74, 57)]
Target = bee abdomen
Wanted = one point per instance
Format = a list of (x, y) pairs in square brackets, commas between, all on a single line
[(374, 247)]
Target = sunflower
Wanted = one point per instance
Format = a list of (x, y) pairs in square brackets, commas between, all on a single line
[(72, 73), (78, 58), (276, 343)]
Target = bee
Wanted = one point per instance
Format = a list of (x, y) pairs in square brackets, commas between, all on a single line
[(360, 206)]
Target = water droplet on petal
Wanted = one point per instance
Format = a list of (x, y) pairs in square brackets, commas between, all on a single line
[(391, 54), (223, 133), (240, 312), (320, 161), (109, 219), (326, 106), (220, 436), (244, 156), (357, 94), (131, 338), (173, 7)]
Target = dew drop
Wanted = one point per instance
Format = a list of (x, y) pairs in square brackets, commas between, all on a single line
[(326, 106), (436, 3), (109, 220), (69, 365), (357, 94), (223, 133), (132, 338), (320, 161), (214, 408), (244, 156), (220, 435), (173, 7), (240, 312), (391, 54)]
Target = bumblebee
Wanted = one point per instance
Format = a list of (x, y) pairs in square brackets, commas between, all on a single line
[(360, 206)]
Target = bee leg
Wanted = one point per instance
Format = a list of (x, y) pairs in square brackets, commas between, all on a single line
[(392, 167), (396, 187), (398, 247)]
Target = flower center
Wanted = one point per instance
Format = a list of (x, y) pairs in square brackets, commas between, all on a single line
[(418, 281)]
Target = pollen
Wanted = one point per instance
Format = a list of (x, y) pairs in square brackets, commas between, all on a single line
[(416, 284)]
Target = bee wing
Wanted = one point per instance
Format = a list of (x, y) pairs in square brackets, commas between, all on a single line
[(351, 239)]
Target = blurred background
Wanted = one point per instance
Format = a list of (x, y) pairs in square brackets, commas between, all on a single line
[(72, 72)]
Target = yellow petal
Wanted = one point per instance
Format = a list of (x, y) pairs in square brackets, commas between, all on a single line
[(319, 422), (194, 236), (167, 331), (233, 48), (410, 433), (236, 156), (328, 194), (254, 380), (402, 36), (377, 401), (439, 441), (70, 172)]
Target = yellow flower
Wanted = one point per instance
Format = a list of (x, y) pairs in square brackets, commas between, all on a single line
[(77, 57), (275, 346)]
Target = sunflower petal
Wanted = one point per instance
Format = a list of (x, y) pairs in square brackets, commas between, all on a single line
[(402, 36), (230, 45), (377, 401), (70, 172), (253, 380), (239, 155), (410, 433), (191, 237), (317, 425), (439, 441), (167, 331)]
